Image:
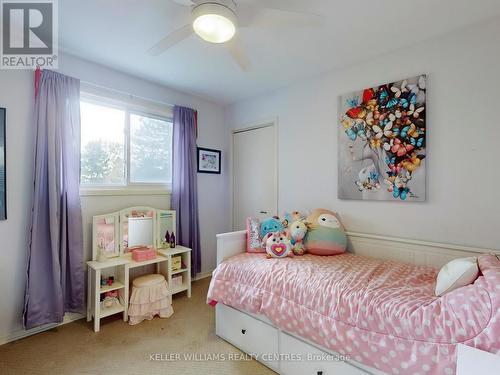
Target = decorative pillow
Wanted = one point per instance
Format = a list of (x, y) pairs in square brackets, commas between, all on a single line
[(456, 274), (254, 244), (326, 234)]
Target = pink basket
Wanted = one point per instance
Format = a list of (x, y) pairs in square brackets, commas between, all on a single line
[(140, 255)]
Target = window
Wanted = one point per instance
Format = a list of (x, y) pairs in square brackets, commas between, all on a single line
[(102, 145), (123, 146), (150, 150)]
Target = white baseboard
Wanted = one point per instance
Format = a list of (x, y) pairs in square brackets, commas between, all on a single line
[(68, 318), (202, 276)]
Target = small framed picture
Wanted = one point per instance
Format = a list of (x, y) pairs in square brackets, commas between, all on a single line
[(208, 160)]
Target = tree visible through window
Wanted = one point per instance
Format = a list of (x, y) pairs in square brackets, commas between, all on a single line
[(150, 150), (102, 145), (107, 133)]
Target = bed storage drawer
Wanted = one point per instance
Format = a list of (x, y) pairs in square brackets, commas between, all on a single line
[(247, 333), (312, 360)]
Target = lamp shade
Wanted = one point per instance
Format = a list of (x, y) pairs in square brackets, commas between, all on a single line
[(214, 23)]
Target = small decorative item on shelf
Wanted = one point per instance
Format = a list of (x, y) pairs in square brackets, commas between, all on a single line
[(112, 294), (176, 281), (110, 302), (142, 253), (167, 239), (107, 280), (172, 240), (176, 263)]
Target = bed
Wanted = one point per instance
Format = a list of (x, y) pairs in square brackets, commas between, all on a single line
[(381, 315)]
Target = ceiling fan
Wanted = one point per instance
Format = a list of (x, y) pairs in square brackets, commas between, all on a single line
[(218, 21)]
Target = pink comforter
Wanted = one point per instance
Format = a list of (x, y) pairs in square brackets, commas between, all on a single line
[(380, 313)]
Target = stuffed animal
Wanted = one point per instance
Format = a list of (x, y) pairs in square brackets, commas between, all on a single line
[(290, 217), (286, 220), (112, 294), (298, 231), (271, 225), (278, 245), (326, 235), (297, 215)]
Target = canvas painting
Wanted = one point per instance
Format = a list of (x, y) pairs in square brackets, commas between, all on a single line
[(382, 142)]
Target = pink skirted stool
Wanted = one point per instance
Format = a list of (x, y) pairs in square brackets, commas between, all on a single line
[(150, 296)]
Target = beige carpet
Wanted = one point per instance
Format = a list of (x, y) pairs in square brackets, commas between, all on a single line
[(122, 349)]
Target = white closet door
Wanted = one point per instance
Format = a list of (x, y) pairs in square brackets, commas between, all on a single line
[(254, 174)]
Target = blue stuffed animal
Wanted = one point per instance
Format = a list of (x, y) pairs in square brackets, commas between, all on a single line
[(271, 225)]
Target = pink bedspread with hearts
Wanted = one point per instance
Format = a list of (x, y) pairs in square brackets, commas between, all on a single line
[(383, 314)]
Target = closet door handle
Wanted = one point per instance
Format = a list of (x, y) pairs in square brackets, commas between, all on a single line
[(263, 212)]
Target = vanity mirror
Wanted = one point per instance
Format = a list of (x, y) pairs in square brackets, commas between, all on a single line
[(115, 234), (105, 234), (165, 226), (137, 226)]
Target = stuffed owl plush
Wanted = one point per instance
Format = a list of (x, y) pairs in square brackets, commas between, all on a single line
[(278, 245), (326, 235)]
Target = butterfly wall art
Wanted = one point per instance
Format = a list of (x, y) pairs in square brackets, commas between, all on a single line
[(382, 142)]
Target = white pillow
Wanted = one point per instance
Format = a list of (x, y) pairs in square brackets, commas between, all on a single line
[(455, 274)]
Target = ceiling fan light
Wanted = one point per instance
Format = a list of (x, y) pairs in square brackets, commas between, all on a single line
[(214, 23)]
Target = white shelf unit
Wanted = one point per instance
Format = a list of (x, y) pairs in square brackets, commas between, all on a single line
[(95, 309), (122, 266), (182, 270), (107, 311), (185, 254), (109, 288)]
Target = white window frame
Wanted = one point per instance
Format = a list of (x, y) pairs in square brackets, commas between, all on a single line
[(129, 105)]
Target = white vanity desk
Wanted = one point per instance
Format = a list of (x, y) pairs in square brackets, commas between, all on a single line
[(118, 262)]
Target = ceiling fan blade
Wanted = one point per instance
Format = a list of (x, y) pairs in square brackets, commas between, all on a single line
[(173, 38), (238, 53)]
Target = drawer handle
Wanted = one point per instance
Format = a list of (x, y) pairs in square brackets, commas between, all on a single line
[(243, 331)]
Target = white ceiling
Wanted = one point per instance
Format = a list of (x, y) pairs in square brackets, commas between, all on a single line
[(117, 33)]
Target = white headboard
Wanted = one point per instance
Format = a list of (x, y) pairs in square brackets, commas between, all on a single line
[(410, 251), (382, 247)]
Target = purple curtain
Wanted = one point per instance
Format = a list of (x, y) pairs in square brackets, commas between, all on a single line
[(55, 278), (184, 183)]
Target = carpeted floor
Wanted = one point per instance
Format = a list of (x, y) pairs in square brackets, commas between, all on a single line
[(122, 349)]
